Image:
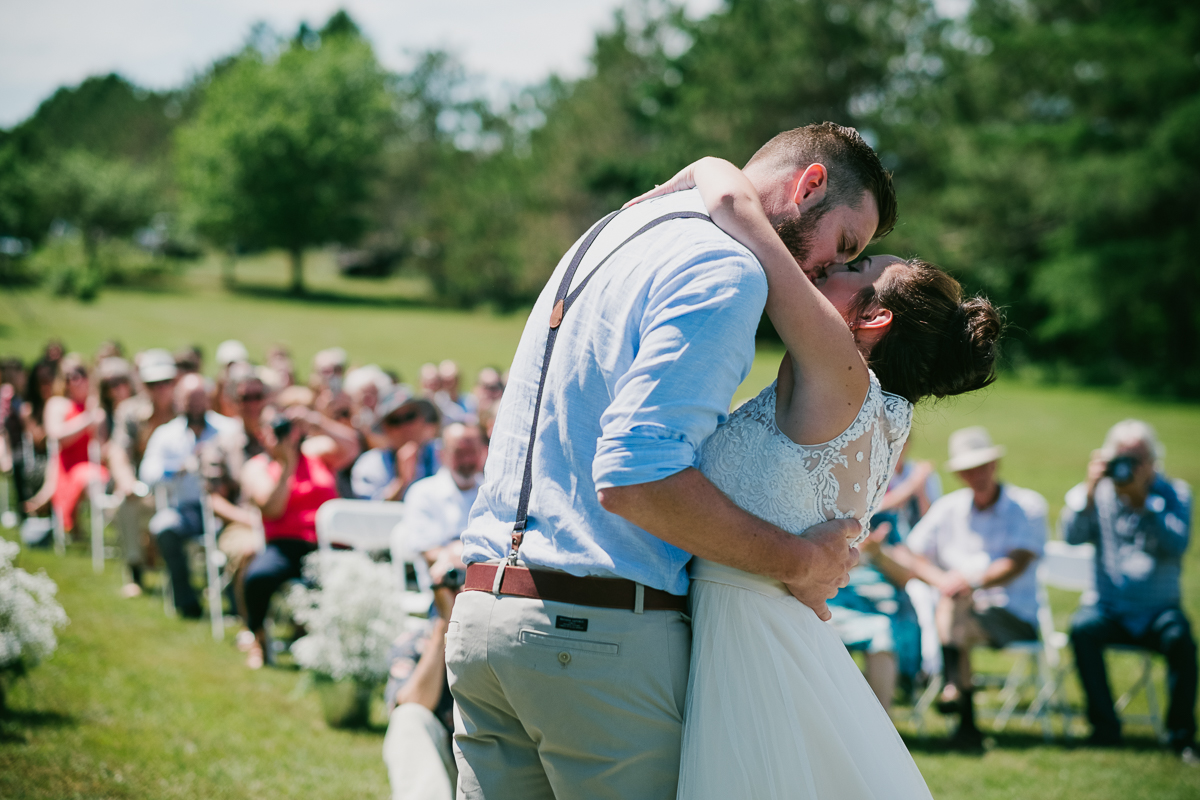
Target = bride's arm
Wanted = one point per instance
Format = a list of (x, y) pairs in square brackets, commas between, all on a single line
[(821, 345)]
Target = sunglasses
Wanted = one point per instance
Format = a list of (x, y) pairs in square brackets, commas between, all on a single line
[(400, 419), (254, 397)]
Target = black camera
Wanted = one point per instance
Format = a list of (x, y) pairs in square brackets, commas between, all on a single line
[(453, 579), (1121, 469), (281, 427)]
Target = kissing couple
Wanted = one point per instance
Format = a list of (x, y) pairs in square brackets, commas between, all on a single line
[(647, 571)]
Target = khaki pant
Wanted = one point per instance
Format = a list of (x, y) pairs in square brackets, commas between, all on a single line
[(546, 709)]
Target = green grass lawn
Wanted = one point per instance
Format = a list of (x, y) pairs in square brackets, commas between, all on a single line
[(138, 705)]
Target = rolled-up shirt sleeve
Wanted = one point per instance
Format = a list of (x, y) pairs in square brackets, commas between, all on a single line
[(695, 347)]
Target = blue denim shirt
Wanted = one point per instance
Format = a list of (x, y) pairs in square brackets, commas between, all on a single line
[(642, 373), (1139, 552)]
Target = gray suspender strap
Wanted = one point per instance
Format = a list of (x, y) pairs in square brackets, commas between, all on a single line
[(563, 301)]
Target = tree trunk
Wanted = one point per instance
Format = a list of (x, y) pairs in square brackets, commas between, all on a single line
[(228, 278), (297, 255)]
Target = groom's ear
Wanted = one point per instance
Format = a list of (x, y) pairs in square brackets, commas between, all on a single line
[(810, 186)]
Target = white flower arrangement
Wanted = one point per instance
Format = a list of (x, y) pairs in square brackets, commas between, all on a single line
[(29, 614), (350, 618)]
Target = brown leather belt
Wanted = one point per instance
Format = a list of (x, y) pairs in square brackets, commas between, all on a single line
[(541, 584)]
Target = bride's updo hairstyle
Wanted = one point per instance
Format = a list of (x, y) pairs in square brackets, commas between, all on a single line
[(938, 343)]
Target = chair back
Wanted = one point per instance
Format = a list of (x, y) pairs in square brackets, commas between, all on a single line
[(357, 524), (417, 600), (1068, 566)]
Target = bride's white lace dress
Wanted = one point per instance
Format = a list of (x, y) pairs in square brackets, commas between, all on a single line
[(776, 707)]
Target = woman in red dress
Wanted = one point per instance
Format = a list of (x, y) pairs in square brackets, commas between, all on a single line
[(289, 483), (72, 420)]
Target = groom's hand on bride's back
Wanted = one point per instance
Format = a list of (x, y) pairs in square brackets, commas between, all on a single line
[(826, 565)]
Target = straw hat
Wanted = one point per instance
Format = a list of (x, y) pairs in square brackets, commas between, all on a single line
[(972, 447)]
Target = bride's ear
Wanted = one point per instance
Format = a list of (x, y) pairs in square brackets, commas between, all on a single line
[(871, 325), (875, 319)]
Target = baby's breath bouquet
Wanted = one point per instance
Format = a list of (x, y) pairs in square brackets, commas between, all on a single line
[(351, 615), (29, 615)]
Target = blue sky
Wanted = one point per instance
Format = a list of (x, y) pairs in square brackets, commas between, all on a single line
[(45, 44)]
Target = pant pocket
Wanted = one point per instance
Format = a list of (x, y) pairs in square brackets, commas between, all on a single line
[(563, 643)]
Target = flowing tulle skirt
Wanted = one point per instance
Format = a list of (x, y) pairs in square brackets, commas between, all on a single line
[(776, 707)]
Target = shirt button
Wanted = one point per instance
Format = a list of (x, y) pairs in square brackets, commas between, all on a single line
[(564, 658)]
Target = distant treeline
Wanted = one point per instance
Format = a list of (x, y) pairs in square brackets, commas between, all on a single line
[(1047, 152)]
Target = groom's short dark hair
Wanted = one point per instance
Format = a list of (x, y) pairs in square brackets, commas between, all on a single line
[(852, 165)]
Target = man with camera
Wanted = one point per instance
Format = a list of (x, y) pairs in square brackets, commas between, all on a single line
[(417, 747), (1140, 522)]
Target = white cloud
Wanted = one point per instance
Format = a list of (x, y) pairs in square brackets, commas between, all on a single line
[(159, 43)]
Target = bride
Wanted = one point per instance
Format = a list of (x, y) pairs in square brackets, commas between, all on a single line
[(776, 707)]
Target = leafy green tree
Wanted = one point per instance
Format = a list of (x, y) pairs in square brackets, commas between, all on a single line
[(101, 197), (1053, 163), (283, 149)]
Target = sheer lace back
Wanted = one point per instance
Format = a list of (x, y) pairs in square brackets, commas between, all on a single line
[(796, 486)]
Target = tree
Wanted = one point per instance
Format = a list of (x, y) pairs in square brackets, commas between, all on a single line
[(100, 197), (283, 149)]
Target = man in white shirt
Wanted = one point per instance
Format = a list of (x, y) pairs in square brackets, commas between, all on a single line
[(417, 746), (976, 546)]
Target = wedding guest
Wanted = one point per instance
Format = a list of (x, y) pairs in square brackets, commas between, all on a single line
[(72, 419), (288, 483), (417, 746), (488, 390), (1140, 522), (385, 473), (873, 614), (135, 420), (914, 487), (229, 352), (27, 433), (197, 453), (977, 546), (454, 406)]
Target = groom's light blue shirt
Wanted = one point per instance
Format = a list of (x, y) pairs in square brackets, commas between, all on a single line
[(642, 373)]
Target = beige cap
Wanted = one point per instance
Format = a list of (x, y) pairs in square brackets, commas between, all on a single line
[(972, 447)]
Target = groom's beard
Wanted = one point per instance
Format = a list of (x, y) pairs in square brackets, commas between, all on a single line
[(798, 233)]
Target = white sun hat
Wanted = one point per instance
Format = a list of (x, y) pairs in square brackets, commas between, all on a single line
[(972, 447)]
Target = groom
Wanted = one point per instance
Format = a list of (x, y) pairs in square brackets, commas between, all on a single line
[(568, 652)]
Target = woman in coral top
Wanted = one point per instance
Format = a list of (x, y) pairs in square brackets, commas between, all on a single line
[(289, 483), (71, 421)]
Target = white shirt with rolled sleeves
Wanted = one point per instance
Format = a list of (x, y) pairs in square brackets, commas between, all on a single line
[(955, 535), (435, 512), (643, 371)]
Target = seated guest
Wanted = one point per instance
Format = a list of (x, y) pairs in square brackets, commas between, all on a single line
[(408, 425), (72, 419), (417, 747), (976, 546), (1140, 522), (134, 422), (488, 390), (288, 483), (873, 614), (913, 488), (242, 539), (197, 453)]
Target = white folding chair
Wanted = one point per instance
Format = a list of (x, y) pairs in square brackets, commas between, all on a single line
[(103, 507), (418, 599), (358, 524), (1072, 568)]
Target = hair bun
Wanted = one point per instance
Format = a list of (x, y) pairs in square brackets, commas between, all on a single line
[(938, 344), (967, 358)]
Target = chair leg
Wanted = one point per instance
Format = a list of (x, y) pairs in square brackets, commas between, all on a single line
[(925, 702), (1155, 712), (1010, 693)]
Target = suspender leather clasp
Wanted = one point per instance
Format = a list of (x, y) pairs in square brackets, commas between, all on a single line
[(557, 314)]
